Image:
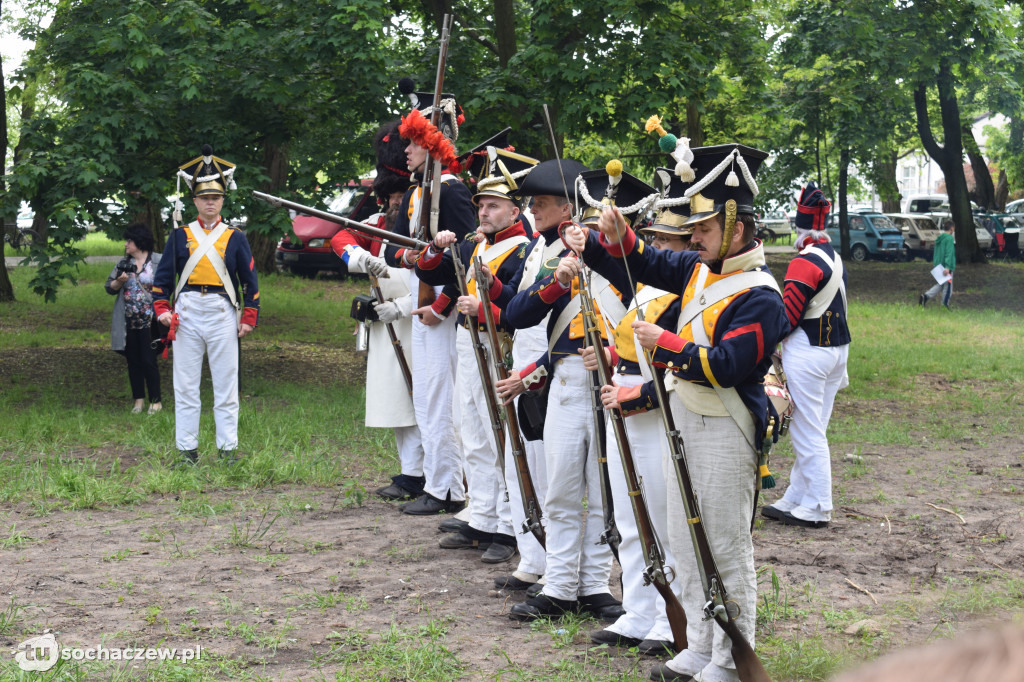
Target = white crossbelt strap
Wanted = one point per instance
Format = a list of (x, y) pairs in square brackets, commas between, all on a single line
[(495, 251), (820, 302), (539, 254), (640, 301), (569, 312), (723, 288), (608, 302), (205, 243), (730, 397), (414, 219)]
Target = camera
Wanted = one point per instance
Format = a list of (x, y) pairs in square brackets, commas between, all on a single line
[(126, 264)]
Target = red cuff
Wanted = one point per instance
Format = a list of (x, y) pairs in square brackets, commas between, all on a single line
[(249, 316), (440, 305), (671, 342), (552, 292), (615, 355), (496, 288), (527, 371), (428, 261), (627, 393), (161, 306), (626, 245)]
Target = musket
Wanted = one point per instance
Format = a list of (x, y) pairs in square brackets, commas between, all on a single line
[(480, 353), (531, 505), (431, 194), (363, 228), (718, 606), (403, 364), (655, 570)]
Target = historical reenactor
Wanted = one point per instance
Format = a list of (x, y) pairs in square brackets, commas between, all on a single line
[(645, 624), (814, 356), (500, 241), (717, 356), (578, 564), (550, 205), (388, 393), (433, 325), (196, 293)]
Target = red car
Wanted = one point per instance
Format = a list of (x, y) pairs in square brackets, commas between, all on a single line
[(308, 250)]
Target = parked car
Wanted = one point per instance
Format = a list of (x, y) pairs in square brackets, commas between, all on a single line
[(985, 240), (925, 203), (773, 225), (1015, 206), (919, 233), (871, 235), (308, 250)]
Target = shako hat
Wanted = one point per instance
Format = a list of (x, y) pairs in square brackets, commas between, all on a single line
[(672, 207), (416, 126), (725, 183), (207, 174), (812, 209), (613, 187), (474, 161), (392, 174), (554, 177), (504, 171)]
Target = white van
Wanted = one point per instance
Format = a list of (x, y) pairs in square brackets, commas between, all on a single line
[(924, 203)]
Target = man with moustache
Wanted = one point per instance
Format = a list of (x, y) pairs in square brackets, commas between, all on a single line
[(501, 243), (716, 360)]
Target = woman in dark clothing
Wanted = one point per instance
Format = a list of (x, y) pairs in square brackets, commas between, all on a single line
[(132, 281)]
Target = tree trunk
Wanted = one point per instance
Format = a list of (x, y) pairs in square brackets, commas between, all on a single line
[(1002, 191), (949, 156), (888, 188), (505, 30), (262, 243), (844, 221), (984, 188), (694, 128), (6, 288)]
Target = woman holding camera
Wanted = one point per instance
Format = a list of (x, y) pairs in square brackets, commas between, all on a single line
[(131, 281)]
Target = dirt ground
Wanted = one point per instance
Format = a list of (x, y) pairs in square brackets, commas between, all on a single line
[(909, 520)]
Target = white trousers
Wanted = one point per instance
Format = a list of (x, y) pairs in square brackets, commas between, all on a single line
[(206, 325), (433, 381), (488, 504), (814, 375), (577, 564), (410, 449), (529, 345), (645, 616), (722, 467)]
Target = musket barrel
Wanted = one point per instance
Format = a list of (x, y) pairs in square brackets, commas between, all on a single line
[(382, 235)]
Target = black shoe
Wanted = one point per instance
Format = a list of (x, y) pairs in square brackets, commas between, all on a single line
[(498, 553), (542, 606), (790, 520), (663, 673), (428, 505), (613, 639), (453, 526), (922, 299), (461, 541), (773, 513), (189, 458), (656, 647), (602, 606), (229, 457), (534, 590), (510, 582), (402, 487)]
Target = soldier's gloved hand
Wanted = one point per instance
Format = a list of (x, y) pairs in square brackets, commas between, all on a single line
[(376, 266), (388, 311)]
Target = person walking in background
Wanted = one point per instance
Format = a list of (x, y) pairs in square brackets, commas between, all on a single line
[(945, 256), (131, 281)]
